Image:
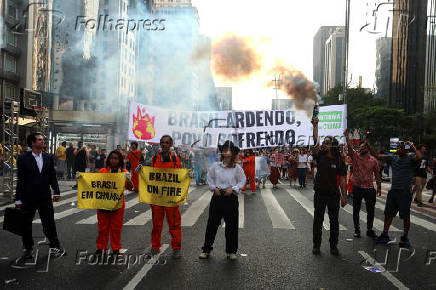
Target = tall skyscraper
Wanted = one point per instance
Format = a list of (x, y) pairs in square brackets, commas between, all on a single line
[(430, 60), (334, 59), (383, 72), (319, 40), (409, 55)]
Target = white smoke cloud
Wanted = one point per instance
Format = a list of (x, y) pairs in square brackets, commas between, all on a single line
[(1, 32)]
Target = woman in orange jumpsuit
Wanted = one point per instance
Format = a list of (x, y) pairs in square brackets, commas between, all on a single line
[(249, 169), (134, 159), (110, 222)]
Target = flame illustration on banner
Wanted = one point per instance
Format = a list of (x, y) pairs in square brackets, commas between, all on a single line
[(143, 125)]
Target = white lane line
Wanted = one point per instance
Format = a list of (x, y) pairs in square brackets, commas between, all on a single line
[(191, 215), (93, 219), (140, 220), (416, 220), (378, 223), (144, 270), (55, 204), (391, 278), (412, 210), (307, 204), (241, 212), (276, 213), (63, 214)]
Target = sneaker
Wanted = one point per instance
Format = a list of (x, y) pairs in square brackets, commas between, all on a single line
[(404, 243), (316, 251), (371, 234), (176, 254), (430, 200), (28, 254), (232, 257), (204, 255), (415, 200), (57, 252), (420, 204), (74, 187), (383, 239), (356, 234), (334, 251)]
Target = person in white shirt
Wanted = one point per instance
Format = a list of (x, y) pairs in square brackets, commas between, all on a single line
[(302, 168), (225, 180)]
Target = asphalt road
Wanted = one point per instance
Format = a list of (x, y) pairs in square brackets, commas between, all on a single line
[(275, 244)]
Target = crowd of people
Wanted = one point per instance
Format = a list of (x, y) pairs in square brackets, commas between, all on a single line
[(337, 171)]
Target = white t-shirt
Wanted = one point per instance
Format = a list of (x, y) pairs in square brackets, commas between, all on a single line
[(302, 161)]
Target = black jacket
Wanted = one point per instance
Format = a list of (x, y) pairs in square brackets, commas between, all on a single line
[(33, 185)]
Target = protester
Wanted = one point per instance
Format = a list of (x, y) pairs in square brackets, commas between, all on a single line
[(249, 168), (293, 164), (433, 180), (92, 157), (225, 180), (100, 159), (36, 174), (110, 222), (69, 152), (329, 165), (199, 161), (365, 167), (262, 170), (275, 173), (420, 175), (81, 158), (135, 160), (399, 198), (166, 159), (302, 168), (61, 158)]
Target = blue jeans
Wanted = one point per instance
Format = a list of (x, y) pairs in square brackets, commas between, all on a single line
[(302, 176)]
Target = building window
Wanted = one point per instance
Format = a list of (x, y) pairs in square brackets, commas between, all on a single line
[(12, 11), (9, 91), (10, 64), (11, 38)]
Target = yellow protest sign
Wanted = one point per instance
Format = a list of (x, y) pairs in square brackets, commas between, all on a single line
[(163, 186), (100, 190)]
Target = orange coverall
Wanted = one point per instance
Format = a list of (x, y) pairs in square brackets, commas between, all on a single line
[(173, 213), (249, 171), (134, 157)]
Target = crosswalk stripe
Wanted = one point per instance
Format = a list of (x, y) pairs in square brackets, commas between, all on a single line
[(93, 219), (55, 204), (414, 219), (140, 220), (191, 215), (378, 223), (241, 198), (276, 213), (307, 204), (63, 214)]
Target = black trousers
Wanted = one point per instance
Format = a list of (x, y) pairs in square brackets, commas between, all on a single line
[(226, 207), (370, 198), (46, 213), (321, 201), (70, 169)]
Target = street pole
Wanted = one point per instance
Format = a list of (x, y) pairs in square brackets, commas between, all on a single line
[(276, 87), (347, 40)]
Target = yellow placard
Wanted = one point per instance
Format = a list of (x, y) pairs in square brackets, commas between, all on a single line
[(163, 186), (100, 190)]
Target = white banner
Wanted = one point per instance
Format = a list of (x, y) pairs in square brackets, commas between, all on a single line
[(247, 129)]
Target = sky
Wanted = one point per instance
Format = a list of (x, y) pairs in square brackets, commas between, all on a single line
[(285, 30)]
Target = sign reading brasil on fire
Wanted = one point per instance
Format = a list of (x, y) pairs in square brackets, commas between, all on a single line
[(100, 190), (163, 186), (247, 129)]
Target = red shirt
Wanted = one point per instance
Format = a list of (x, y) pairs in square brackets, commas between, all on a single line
[(364, 168)]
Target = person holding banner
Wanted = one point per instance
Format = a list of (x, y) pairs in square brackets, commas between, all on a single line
[(110, 222), (225, 179), (166, 159), (134, 159)]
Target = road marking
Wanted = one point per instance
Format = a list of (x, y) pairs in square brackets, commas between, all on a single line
[(93, 219), (411, 209), (378, 223), (144, 270), (276, 213), (391, 278), (307, 204), (191, 215), (55, 204), (140, 220), (63, 214), (241, 212), (414, 219)]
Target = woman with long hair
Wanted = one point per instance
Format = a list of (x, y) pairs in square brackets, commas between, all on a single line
[(274, 166), (225, 180), (110, 222)]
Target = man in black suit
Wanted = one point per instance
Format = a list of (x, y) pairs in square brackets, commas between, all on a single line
[(36, 174)]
